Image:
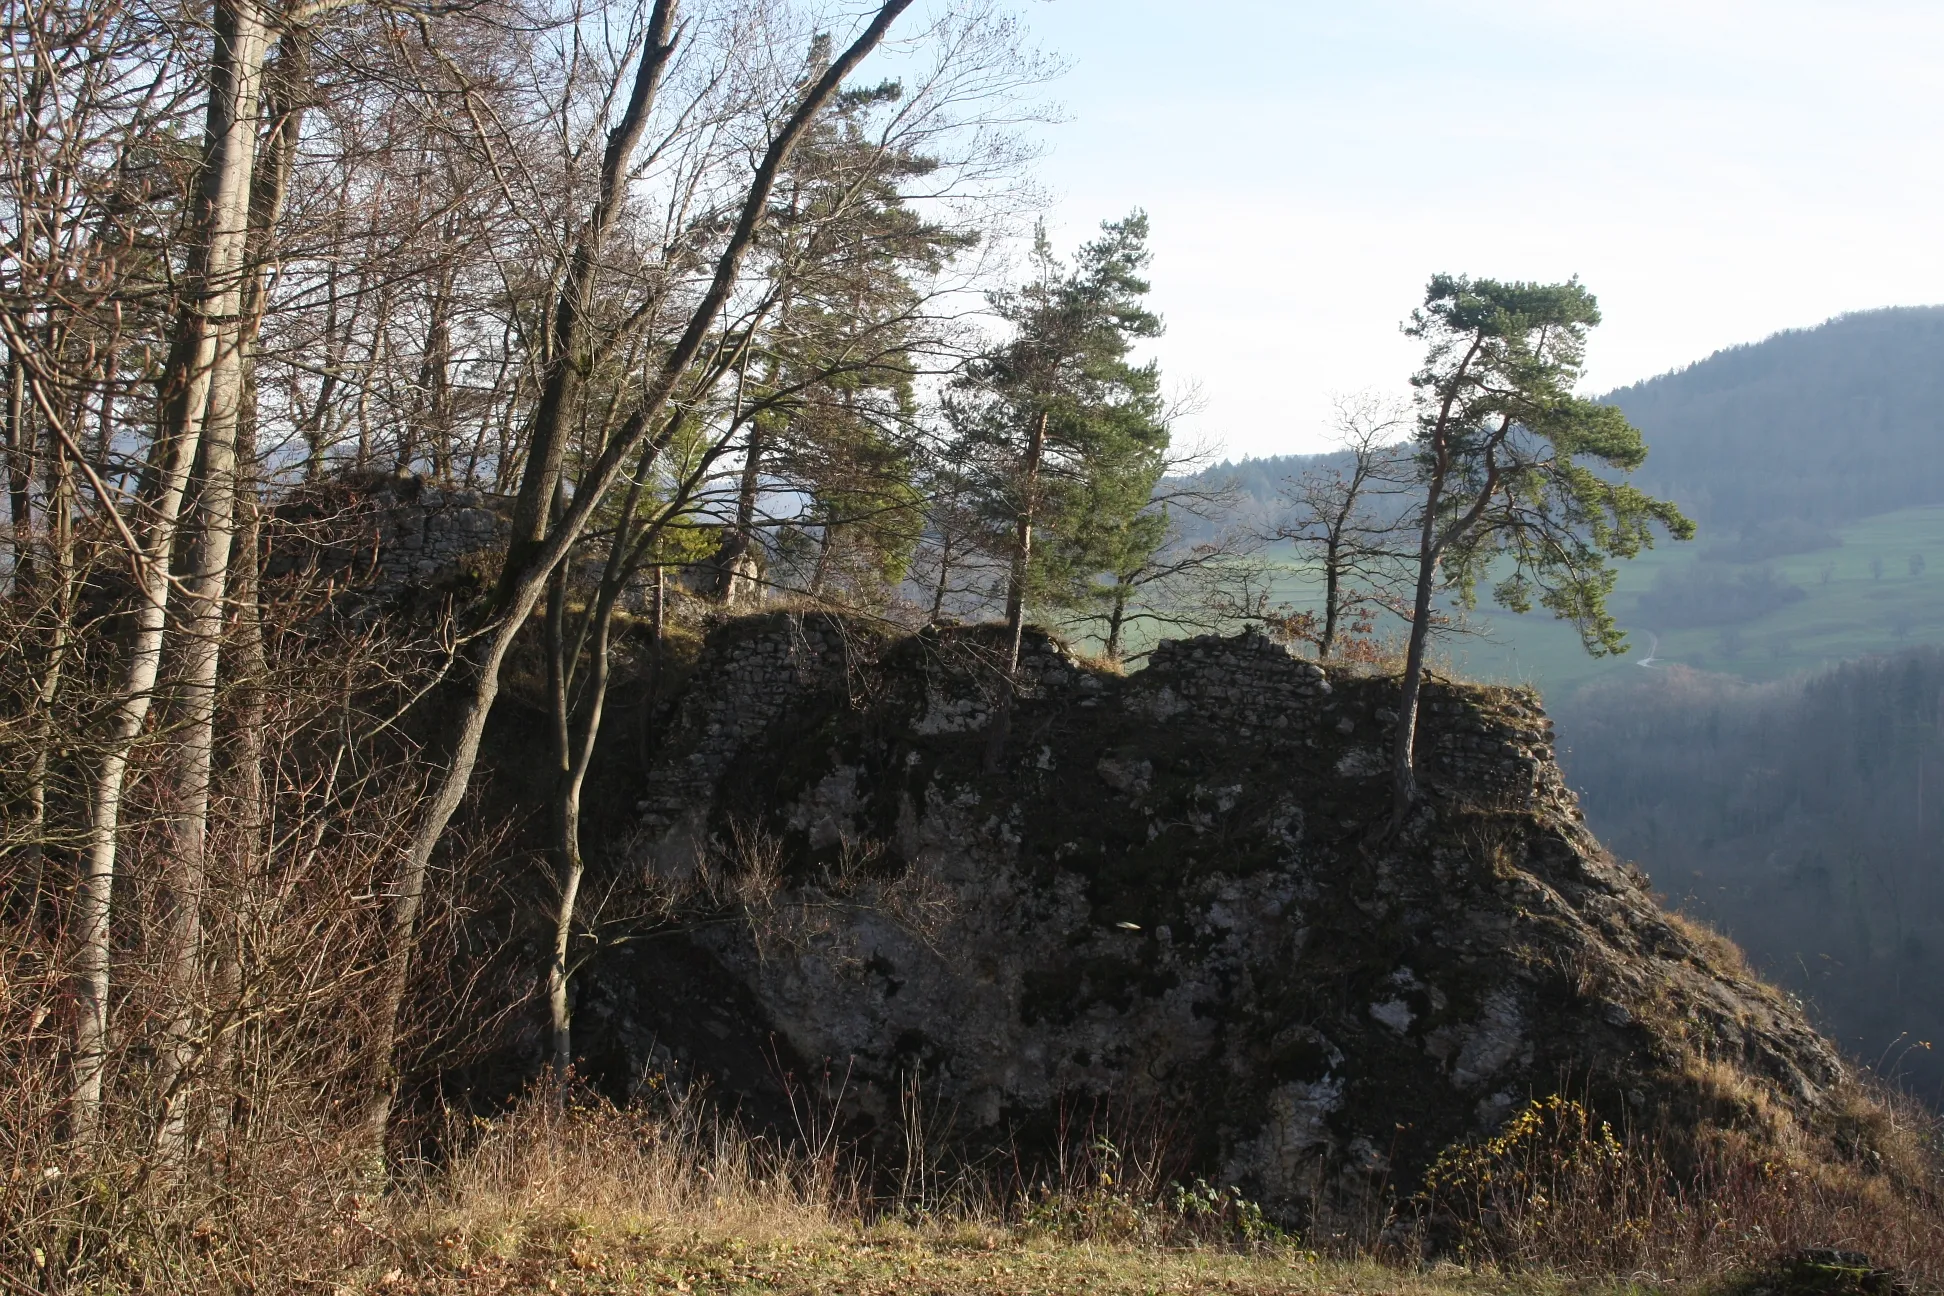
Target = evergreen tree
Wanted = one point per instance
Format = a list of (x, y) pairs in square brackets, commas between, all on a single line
[(1501, 443), (828, 390), (1064, 430)]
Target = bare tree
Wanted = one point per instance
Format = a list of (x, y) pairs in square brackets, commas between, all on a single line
[(645, 427), (1348, 518), (582, 258), (812, 385), (221, 480), (202, 367)]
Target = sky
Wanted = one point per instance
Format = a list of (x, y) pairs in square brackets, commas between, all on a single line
[(1713, 170)]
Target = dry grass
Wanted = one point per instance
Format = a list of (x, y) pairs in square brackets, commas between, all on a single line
[(545, 1172), (593, 1199), (598, 1200), (887, 1263), (1721, 953)]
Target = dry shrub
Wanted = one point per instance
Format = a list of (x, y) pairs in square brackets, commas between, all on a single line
[(272, 1180), (276, 1199), (269, 1186), (1559, 1190)]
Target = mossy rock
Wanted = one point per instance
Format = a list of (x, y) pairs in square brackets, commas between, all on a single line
[(1179, 893)]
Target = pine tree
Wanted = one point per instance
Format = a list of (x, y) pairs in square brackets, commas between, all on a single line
[(1506, 452), (829, 386), (1065, 430)]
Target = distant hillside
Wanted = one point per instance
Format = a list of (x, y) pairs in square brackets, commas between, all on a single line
[(1259, 485), (1822, 425), (1814, 427), (1802, 817)]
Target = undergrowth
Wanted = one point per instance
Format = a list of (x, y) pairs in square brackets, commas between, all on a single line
[(587, 1196)]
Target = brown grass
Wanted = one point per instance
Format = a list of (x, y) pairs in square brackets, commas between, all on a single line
[(595, 1199), (1721, 953), (545, 1171)]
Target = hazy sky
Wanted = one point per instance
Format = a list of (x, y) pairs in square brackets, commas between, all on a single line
[(1713, 170)]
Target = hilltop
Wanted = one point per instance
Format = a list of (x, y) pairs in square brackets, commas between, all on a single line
[(1822, 425)]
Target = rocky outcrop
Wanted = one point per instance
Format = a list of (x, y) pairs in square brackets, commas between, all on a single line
[(1175, 892)]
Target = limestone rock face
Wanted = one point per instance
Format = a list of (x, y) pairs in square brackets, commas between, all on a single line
[(1173, 892)]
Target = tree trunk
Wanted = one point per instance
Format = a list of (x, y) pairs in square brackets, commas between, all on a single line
[(826, 542), (435, 370), (658, 612), (577, 755), (944, 575), (229, 444), (1332, 593), (20, 471), (1023, 547), (59, 609), (737, 544), (567, 858), (553, 416), (1116, 621), (242, 765), (317, 430), (1022, 558), (229, 155), (206, 588), (1431, 547), (1403, 754)]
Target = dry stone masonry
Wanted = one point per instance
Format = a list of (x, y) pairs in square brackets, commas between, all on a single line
[(388, 539)]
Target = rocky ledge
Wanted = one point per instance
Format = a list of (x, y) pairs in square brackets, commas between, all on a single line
[(1175, 893)]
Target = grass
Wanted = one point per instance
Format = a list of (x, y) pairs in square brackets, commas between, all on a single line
[(597, 1200), (1849, 612), (882, 1262), (603, 1200)]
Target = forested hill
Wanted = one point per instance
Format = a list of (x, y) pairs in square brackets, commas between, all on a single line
[(1801, 816), (1258, 484), (1827, 424), (1822, 425)]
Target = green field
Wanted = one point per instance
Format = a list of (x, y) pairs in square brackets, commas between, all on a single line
[(1848, 611)]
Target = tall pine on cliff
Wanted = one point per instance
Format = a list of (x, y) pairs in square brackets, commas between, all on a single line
[(1508, 454), (827, 388), (1058, 424)]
